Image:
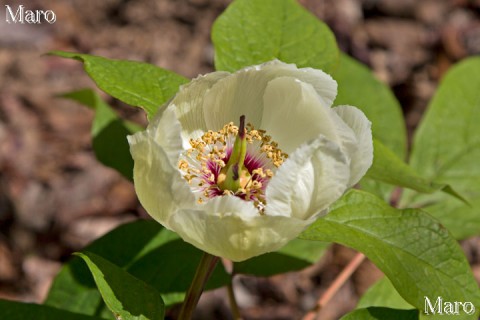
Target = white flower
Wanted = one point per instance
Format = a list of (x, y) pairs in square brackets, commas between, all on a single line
[(240, 195)]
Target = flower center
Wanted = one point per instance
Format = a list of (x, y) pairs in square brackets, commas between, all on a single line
[(238, 161)]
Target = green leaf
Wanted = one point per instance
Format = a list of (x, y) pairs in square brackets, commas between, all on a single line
[(109, 133), (13, 310), (446, 149), (250, 32), (296, 255), (135, 83), (388, 168), (447, 142), (358, 86), (383, 294), (414, 251), (379, 313), (462, 220), (144, 249), (126, 296)]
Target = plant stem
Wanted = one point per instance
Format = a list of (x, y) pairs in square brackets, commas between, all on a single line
[(204, 270), (336, 285), (233, 302)]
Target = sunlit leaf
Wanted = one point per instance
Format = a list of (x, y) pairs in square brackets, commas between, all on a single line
[(126, 296), (446, 149), (250, 32), (135, 83), (388, 168), (414, 251)]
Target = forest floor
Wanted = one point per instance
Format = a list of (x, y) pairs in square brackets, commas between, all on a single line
[(55, 197)]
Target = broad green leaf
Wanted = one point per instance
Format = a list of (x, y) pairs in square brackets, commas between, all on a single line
[(462, 220), (388, 168), (109, 133), (126, 296), (447, 143), (250, 32), (379, 313), (135, 83), (148, 252), (446, 148), (12, 310), (358, 86), (383, 294), (414, 251), (296, 255)]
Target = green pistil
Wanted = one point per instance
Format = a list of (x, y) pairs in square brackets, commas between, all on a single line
[(234, 166)]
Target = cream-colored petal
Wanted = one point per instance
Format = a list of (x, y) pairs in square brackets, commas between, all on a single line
[(294, 114), (159, 185), (242, 92), (166, 131), (311, 179), (232, 228), (361, 153), (189, 103), (322, 82), (238, 94)]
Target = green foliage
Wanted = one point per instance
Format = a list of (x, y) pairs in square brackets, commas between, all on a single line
[(415, 252), (13, 310), (109, 132), (379, 313), (145, 250), (135, 83), (460, 218), (296, 255), (447, 142), (250, 32), (126, 296), (388, 168), (446, 149), (357, 86), (383, 294)]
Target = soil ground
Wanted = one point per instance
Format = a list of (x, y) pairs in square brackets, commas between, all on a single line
[(55, 197)]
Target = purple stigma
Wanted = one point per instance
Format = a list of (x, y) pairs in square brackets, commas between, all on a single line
[(241, 129)]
